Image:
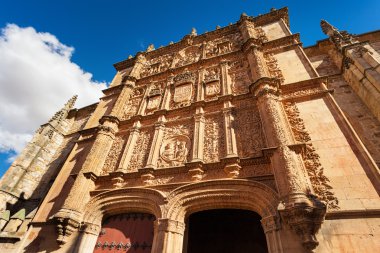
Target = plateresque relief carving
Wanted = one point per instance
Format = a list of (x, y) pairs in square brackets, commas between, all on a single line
[(154, 98), (140, 151), (319, 181), (226, 44), (175, 146), (187, 56), (213, 148), (273, 68), (183, 90), (114, 155), (249, 132), (212, 82), (157, 65), (133, 103), (240, 76)]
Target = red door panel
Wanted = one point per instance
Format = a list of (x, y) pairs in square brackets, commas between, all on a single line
[(131, 232)]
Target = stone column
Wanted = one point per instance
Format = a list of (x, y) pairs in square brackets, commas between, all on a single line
[(168, 236), (70, 215), (132, 139), (299, 208), (155, 147), (199, 129)]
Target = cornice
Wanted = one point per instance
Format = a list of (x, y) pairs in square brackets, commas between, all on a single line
[(283, 42), (272, 16)]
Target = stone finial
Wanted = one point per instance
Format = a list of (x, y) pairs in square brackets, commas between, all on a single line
[(61, 114), (70, 104), (150, 48), (130, 57), (339, 38), (193, 31), (327, 28)]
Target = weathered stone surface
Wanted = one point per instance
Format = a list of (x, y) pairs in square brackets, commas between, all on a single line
[(243, 117)]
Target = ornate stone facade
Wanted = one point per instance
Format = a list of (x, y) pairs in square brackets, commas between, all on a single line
[(242, 117)]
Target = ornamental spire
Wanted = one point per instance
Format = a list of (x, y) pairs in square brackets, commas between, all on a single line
[(61, 114), (339, 38)]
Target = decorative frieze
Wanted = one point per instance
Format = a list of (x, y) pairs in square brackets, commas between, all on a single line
[(223, 45), (319, 181), (114, 155), (187, 56), (249, 132), (157, 65), (140, 151), (213, 148), (273, 68)]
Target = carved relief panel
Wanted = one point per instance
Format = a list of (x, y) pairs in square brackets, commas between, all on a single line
[(175, 146), (157, 65), (226, 44), (211, 81), (187, 56), (273, 68), (132, 106), (141, 150), (182, 90), (240, 76), (249, 131), (114, 155), (154, 97), (213, 148)]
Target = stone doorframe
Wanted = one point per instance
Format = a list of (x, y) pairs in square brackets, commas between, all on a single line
[(171, 210)]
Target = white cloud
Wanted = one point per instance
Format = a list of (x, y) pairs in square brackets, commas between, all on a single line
[(37, 77)]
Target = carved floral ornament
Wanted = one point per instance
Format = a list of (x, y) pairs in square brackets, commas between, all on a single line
[(315, 171)]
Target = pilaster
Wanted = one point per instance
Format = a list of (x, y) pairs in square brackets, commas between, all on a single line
[(229, 129), (155, 147), (132, 139), (225, 80), (302, 211), (199, 129)]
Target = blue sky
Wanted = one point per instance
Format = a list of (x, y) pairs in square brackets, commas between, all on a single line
[(104, 32)]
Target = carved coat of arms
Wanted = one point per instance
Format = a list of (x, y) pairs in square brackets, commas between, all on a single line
[(183, 92)]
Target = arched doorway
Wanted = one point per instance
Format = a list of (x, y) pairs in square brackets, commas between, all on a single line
[(225, 231), (130, 232)]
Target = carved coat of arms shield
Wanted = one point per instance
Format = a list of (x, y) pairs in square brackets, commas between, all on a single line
[(183, 92)]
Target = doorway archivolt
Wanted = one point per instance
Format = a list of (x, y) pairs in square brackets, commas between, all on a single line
[(221, 194)]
